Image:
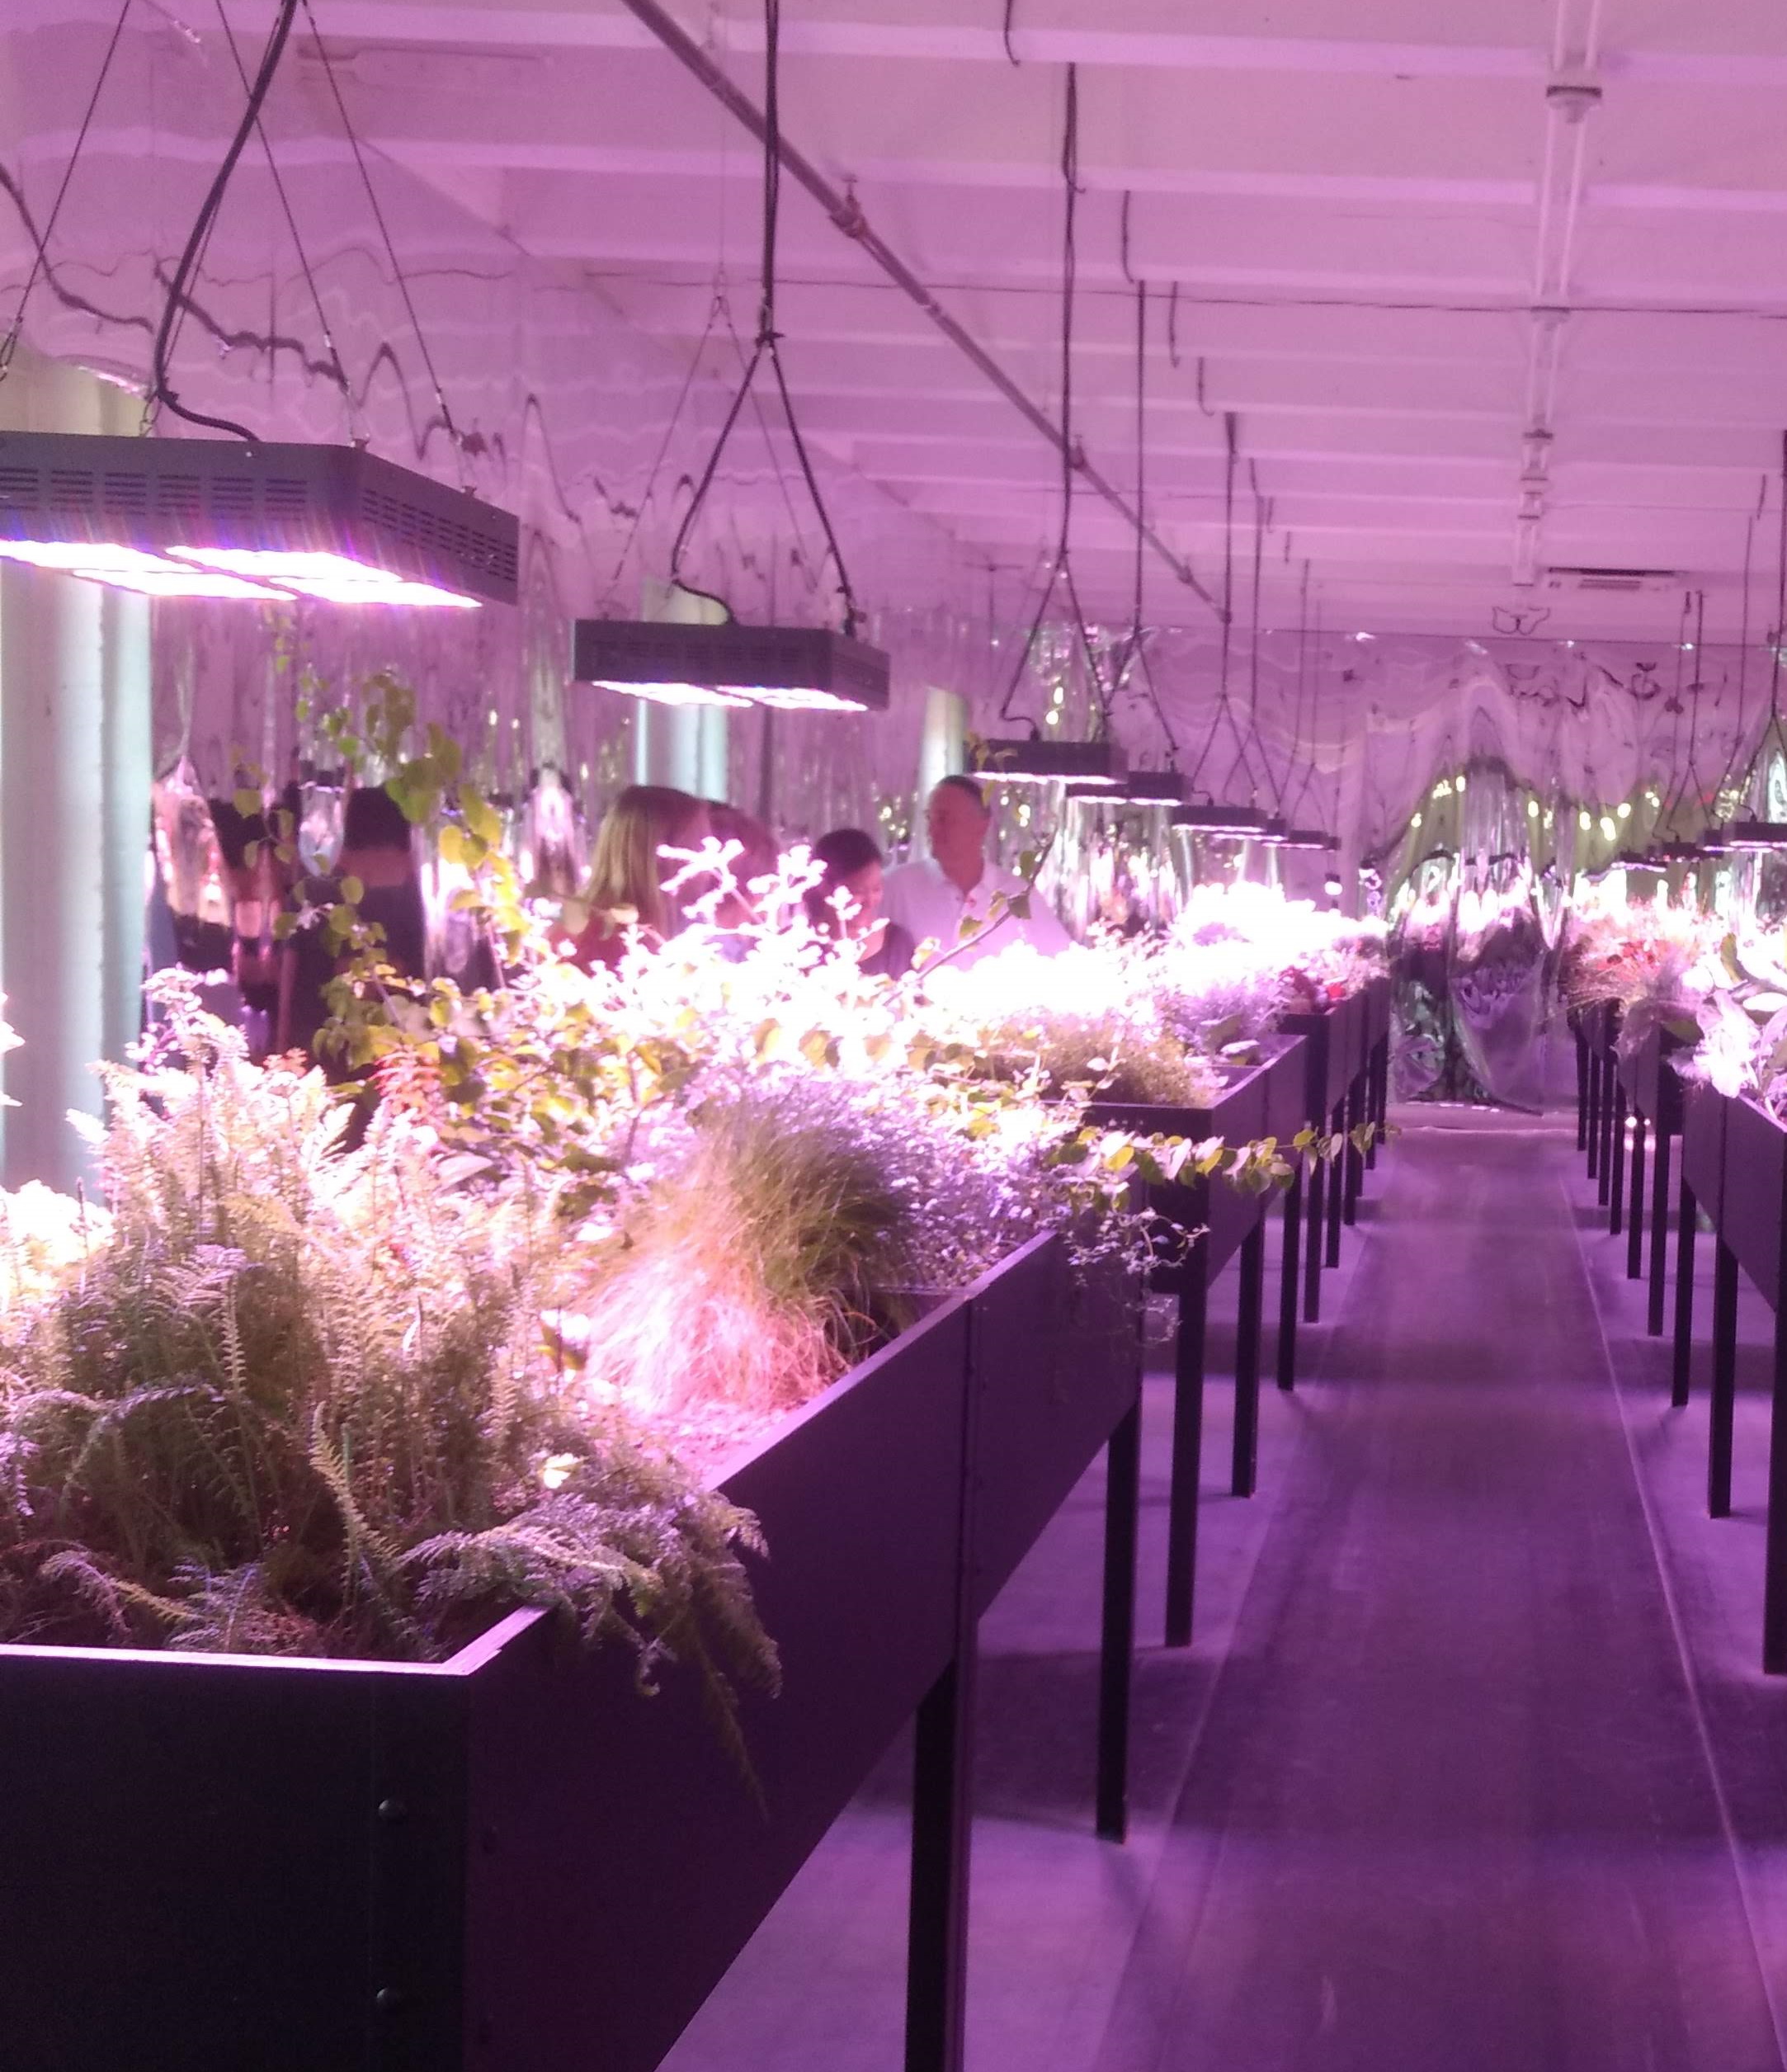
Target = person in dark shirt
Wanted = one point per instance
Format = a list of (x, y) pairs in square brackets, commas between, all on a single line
[(852, 865), (377, 849)]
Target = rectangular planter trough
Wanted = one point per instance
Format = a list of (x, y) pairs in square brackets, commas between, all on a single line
[(1266, 1101), (511, 1860)]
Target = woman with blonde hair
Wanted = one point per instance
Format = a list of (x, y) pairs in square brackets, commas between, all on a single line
[(628, 873)]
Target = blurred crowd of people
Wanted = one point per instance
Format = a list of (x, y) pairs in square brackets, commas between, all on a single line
[(640, 886)]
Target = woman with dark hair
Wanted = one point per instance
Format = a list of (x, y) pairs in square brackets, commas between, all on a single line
[(847, 901), (378, 853)]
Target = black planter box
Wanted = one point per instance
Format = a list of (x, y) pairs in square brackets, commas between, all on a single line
[(1379, 997), (511, 1860), (1651, 1089), (1267, 1100), (1703, 1144), (1754, 1199), (1335, 1050), (1055, 1368)]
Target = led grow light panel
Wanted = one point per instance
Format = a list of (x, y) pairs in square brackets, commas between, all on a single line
[(259, 521), (334, 578), (1038, 762), (674, 693), (784, 668)]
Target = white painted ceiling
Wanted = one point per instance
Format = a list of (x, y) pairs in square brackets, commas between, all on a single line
[(1435, 291)]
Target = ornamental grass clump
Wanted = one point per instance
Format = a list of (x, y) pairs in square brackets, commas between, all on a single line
[(294, 1397), (762, 1257)]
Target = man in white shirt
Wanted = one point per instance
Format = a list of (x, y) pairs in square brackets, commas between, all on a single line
[(932, 898)]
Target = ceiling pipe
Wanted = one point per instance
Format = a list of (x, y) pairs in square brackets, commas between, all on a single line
[(846, 214)]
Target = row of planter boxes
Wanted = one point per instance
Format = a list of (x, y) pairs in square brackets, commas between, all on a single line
[(1733, 1171), (1327, 1071), (513, 1859)]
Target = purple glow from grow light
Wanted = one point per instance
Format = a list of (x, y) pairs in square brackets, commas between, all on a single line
[(336, 579), (674, 693)]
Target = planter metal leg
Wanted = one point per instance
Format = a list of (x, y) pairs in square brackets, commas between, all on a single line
[(1724, 1379), (936, 1975), (1374, 1101), (1247, 1451), (1774, 1573), (1312, 1243), (1687, 1221), (1336, 1187), (1353, 1157), (1123, 1485), (1287, 1286), (1188, 1452), (1653, 1320), (1609, 1095), (1634, 1236), (1582, 1092), (1594, 1113), (1616, 1206)]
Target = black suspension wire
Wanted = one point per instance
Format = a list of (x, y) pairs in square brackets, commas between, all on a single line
[(1296, 724), (1004, 30), (766, 345), (40, 264), (291, 224), (714, 308), (1743, 642), (1308, 773), (1138, 656), (1261, 518), (160, 393), (1070, 178), (1224, 709), (447, 424)]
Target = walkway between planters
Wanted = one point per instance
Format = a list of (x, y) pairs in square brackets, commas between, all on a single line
[(1452, 1810), (1433, 1792)]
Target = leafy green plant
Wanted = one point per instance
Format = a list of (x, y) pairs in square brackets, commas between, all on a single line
[(296, 1397)]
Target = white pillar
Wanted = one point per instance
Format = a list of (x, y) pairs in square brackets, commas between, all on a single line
[(74, 800), (685, 746)]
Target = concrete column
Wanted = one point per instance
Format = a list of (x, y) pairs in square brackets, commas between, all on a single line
[(74, 798), (685, 746)]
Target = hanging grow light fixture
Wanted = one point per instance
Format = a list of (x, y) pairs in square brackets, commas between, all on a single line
[(1756, 837), (240, 518), (213, 518), (1233, 823), (1140, 787), (789, 668), (798, 669), (1308, 839), (1097, 763)]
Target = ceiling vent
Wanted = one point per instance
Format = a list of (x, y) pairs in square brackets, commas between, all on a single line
[(1623, 583)]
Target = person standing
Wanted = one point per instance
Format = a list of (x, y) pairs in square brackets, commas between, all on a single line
[(630, 872), (957, 898), (378, 853), (847, 901)]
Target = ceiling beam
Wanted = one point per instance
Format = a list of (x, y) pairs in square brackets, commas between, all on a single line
[(849, 221)]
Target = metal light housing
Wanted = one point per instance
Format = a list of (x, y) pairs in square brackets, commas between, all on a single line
[(1238, 823), (1098, 763), (784, 668), (215, 518), (1140, 787), (1754, 837)]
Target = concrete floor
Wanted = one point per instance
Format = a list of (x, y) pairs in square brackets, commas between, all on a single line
[(1471, 1767)]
